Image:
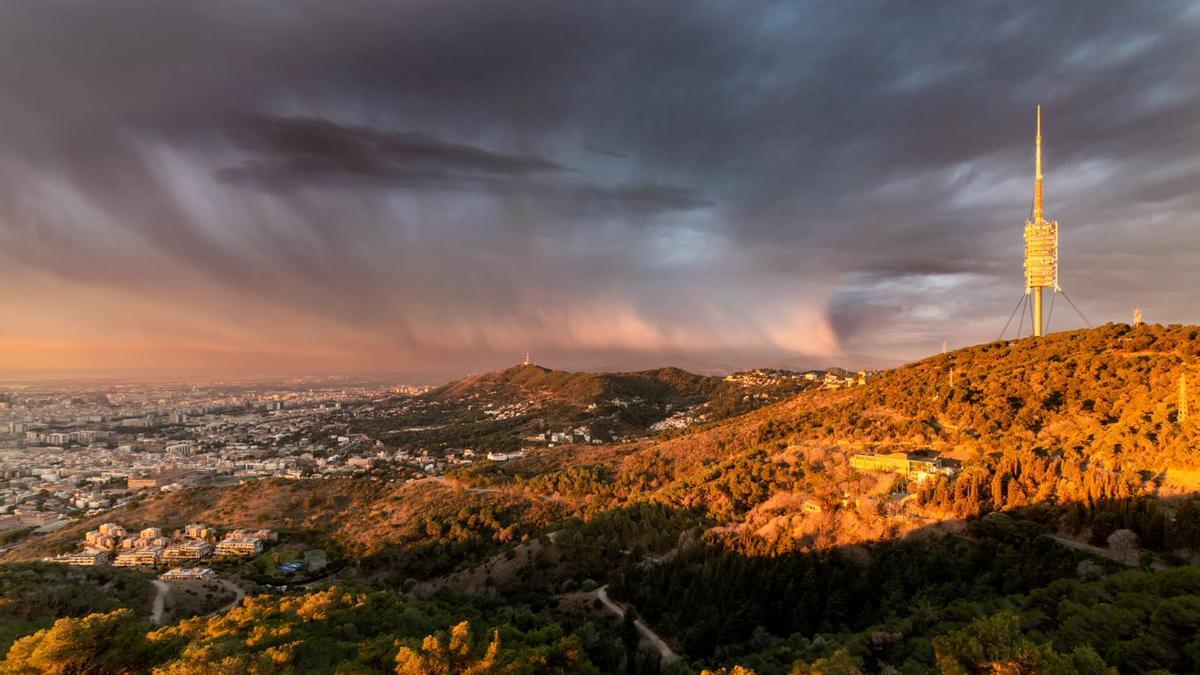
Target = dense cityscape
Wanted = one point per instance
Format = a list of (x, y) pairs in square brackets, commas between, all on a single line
[(70, 450)]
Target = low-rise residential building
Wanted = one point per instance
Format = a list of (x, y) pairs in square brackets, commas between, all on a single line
[(199, 531), (139, 557), (239, 546), (112, 530), (85, 558), (97, 540), (263, 534), (188, 574), (186, 551)]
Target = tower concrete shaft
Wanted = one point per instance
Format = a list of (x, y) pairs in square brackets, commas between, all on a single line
[(1038, 329)]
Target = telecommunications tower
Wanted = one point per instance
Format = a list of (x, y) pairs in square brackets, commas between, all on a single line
[(1041, 257), (1041, 243)]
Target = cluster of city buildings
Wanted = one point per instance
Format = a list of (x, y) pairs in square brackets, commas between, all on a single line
[(68, 451), (112, 544)]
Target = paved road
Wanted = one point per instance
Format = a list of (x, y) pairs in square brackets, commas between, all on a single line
[(239, 595), (161, 591), (665, 651)]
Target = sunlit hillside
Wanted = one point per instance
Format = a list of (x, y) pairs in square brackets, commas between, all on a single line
[(764, 539)]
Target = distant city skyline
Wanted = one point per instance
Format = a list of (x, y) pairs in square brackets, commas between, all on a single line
[(427, 189)]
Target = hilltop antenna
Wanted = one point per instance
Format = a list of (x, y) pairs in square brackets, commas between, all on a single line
[(1041, 253), (943, 346), (1041, 241), (1137, 316), (1182, 415), (527, 360)]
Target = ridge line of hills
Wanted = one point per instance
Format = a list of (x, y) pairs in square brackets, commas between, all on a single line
[(750, 539)]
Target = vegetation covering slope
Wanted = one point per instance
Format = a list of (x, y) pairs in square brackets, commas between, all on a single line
[(523, 381), (752, 541), (33, 595), (535, 400), (347, 630)]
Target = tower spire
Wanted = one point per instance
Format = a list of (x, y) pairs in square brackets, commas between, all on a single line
[(1037, 176)]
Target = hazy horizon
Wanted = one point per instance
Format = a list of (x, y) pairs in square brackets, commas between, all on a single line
[(442, 376)]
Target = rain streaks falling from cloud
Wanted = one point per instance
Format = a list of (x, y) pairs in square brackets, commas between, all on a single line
[(430, 188)]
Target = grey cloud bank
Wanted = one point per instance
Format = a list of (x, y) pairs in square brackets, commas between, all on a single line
[(438, 187)]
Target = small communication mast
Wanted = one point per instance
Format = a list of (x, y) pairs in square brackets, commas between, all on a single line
[(1137, 316), (1183, 402), (527, 361)]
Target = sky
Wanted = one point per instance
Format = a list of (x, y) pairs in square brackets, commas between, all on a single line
[(429, 188)]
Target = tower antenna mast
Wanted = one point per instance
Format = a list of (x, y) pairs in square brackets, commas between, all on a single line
[(1041, 253), (1041, 242)]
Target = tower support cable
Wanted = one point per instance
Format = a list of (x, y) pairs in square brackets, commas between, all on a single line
[(1085, 319), (1021, 323), (1012, 316)]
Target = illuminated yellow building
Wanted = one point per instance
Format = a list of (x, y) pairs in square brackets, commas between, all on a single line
[(913, 466), (1041, 243)]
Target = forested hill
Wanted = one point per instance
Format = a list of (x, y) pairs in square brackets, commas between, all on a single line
[(1111, 392), (745, 540), (1076, 420), (523, 382)]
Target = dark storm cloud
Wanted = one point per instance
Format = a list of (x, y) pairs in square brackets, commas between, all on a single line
[(306, 152), (423, 181)]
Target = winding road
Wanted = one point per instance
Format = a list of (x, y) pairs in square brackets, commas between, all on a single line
[(238, 596), (666, 653), (161, 591)]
